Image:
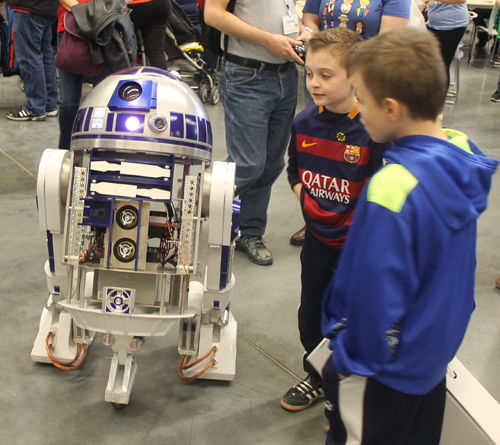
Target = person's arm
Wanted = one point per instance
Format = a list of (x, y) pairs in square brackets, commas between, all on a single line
[(292, 172), (450, 2), (311, 25), (217, 16), (376, 292), (395, 14), (292, 168), (312, 21), (389, 22), (377, 154), (297, 189), (3, 12), (68, 4)]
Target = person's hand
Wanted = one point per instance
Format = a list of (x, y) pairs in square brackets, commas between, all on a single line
[(3, 13), (297, 189), (282, 46), (306, 35), (340, 376)]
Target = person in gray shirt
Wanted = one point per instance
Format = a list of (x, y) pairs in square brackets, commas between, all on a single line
[(259, 92)]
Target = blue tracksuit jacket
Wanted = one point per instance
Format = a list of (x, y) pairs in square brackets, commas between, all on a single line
[(398, 306)]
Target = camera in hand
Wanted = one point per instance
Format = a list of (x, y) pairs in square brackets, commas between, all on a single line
[(300, 50)]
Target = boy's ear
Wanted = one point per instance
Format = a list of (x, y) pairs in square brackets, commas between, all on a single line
[(393, 109)]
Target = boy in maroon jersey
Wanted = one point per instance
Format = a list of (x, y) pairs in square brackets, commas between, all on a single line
[(331, 156)]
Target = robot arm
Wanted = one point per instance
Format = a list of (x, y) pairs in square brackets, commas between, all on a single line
[(217, 330), (58, 338)]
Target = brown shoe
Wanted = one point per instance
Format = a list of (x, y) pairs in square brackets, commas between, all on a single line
[(497, 282), (298, 237)]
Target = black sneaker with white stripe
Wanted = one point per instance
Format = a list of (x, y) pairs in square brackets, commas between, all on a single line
[(23, 115), (301, 396), (495, 97)]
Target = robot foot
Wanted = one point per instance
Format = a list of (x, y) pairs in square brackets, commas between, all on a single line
[(218, 346), (121, 381), (60, 342)]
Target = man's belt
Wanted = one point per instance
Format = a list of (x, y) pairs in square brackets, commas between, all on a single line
[(257, 64)]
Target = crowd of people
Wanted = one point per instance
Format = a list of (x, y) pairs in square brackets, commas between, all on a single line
[(390, 199)]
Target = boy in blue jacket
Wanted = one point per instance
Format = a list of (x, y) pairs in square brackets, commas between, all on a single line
[(398, 306)]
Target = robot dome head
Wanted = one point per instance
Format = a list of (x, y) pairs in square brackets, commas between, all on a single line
[(144, 109)]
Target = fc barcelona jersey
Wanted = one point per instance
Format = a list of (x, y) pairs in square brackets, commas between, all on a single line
[(334, 161)]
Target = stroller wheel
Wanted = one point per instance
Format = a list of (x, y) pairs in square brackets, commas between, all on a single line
[(204, 93), (214, 95)]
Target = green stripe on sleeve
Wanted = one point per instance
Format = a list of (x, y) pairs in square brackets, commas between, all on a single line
[(391, 186)]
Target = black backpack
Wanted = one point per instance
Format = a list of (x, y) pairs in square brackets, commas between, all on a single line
[(210, 36), (8, 61), (182, 28)]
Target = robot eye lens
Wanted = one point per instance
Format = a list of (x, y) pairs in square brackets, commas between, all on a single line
[(157, 123), (160, 123), (130, 91)]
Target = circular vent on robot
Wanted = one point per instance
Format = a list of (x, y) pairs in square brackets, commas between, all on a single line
[(127, 217), (125, 250)]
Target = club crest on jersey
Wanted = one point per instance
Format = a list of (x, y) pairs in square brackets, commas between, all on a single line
[(352, 153)]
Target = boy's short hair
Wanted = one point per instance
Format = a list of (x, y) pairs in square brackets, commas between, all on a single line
[(406, 65), (339, 42)]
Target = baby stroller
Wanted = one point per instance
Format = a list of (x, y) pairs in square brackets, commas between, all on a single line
[(185, 56)]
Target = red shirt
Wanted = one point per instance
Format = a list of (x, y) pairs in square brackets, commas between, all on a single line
[(60, 15)]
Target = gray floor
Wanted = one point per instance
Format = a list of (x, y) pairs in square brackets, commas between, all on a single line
[(43, 405)]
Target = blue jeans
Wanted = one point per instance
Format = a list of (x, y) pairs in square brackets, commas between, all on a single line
[(308, 100), (259, 107), (32, 43), (70, 85)]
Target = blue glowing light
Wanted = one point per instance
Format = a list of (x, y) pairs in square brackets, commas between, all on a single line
[(132, 123)]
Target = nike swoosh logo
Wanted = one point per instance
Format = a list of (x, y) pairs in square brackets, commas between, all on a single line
[(304, 145)]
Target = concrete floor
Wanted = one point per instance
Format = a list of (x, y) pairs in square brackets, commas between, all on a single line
[(43, 405)]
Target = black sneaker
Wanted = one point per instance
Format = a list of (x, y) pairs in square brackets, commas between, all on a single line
[(495, 97), (51, 113), (256, 250), (301, 396), (23, 115)]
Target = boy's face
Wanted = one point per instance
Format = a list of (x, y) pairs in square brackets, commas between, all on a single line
[(374, 116), (328, 83)]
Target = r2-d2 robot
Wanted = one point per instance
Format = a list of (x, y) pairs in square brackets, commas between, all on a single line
[(123, 211)]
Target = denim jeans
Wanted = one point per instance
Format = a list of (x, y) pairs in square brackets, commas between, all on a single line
[(259, 107), (308, 100), (70, 85), (32, 43)]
